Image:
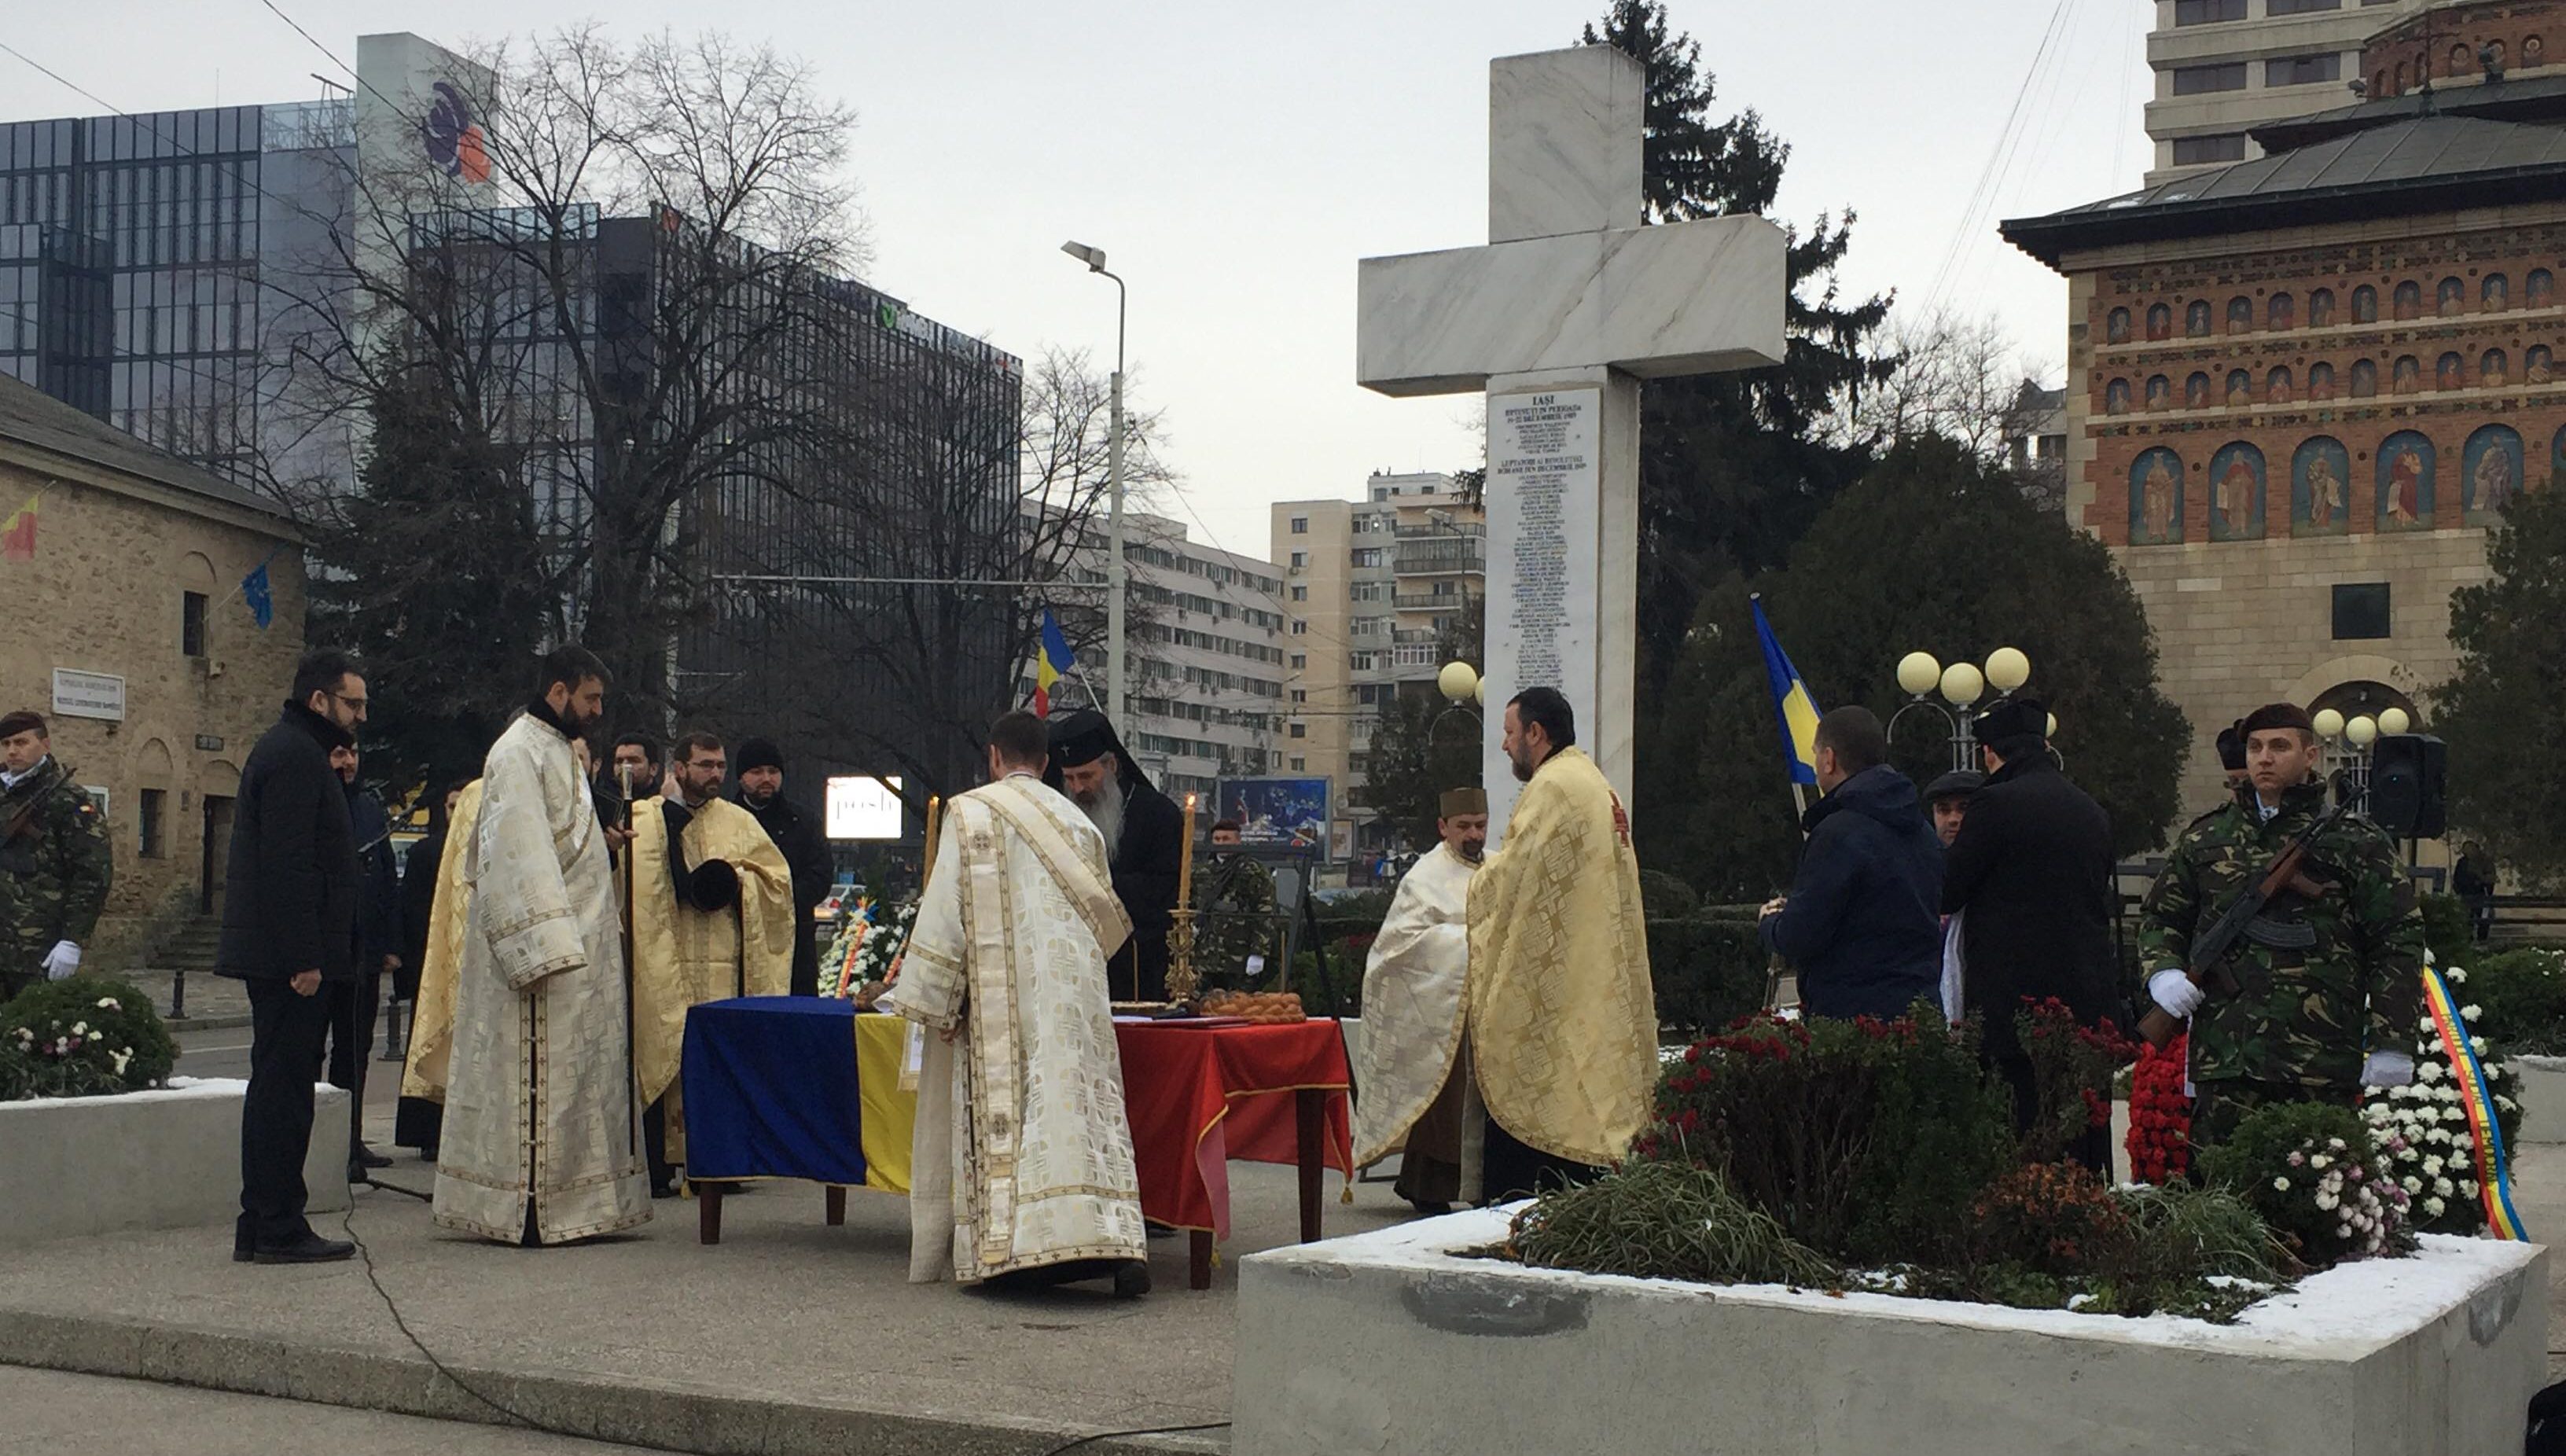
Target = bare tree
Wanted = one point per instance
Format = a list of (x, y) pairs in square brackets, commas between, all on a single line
[(1952, 376)]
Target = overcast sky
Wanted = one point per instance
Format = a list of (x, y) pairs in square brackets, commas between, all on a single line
[(1234, 162)]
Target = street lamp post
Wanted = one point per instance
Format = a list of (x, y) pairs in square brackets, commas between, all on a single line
[(1114, 570), (1961, 684)]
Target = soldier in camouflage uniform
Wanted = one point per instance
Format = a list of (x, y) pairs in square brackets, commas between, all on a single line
[(54, 860), (2329, 980), (1234, 912)]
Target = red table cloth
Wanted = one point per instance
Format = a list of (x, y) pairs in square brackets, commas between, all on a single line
[(1198, 1096)]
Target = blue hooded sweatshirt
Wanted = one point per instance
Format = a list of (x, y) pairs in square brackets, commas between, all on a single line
[(1864, 926)]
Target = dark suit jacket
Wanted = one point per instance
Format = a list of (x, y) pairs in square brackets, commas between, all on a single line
[(290, 894), (2032, 866)]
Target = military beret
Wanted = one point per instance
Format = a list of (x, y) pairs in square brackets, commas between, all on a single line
[(23, 721), (2276, 715)]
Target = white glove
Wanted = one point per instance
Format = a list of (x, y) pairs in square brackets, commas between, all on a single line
[(2386, 1069), (61, 960), (2174, 992)]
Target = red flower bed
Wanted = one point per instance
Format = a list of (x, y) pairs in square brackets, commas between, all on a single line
[(2160, 1139)]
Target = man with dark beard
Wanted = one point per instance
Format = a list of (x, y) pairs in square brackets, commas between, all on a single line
[(1144, 840), (760, 772)]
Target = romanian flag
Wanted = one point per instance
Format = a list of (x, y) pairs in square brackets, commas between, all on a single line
[(2476, 1098), (18, 533), (1051, 665), (1793, 709)]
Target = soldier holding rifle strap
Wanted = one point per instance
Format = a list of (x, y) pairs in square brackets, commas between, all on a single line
[(2316, 992)]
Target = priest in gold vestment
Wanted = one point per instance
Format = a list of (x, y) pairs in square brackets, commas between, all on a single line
[(541, 1142), (1021, 1167), (431, 1016), (710, 920), (1562, 1019), (1413, 1088)]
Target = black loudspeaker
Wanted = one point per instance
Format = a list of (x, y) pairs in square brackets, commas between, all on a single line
[(2407, 773)]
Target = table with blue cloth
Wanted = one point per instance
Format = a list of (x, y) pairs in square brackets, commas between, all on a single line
[(795, 1086)]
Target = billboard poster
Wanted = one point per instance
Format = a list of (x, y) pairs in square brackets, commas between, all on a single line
[(863, 806), (1277, 814)]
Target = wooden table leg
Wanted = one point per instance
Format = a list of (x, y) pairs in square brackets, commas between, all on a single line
[(1310, 1107), (836, 1206), (1199, 1270), (708, 1197)]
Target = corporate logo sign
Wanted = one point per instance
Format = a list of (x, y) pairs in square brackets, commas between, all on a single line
[(452, 138)]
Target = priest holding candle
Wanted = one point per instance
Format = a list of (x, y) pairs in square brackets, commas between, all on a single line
[(1146, 837)]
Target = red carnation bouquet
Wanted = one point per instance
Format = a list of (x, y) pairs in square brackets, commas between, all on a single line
[(2160, 1139)]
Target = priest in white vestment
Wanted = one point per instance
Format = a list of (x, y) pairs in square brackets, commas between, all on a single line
[(1413, 1092), (1021, 1167), (543, 1136)]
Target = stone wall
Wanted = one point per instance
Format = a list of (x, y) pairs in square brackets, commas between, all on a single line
[(105, 594)]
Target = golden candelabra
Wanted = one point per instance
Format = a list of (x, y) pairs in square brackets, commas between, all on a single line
[(1183, 981)]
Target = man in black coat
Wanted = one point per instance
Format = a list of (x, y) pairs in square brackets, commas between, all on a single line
[(1145, 839), (1862, 924), (2030, 876), (760, 770), (374, 954), (289, 925)]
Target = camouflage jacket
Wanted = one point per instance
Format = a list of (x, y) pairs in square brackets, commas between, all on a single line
[(54, 872), (1234, 919), (2310, 1015)]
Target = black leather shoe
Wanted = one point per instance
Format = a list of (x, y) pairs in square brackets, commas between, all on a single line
[(309, 1249), (371, 1158), (1131, 1280)]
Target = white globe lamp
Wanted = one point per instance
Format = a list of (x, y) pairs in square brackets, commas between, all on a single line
[(2361, 732), (2007, 669), (2329, 724), (1918, 672), (2394, 721), (1457, 681), (1961, 684)]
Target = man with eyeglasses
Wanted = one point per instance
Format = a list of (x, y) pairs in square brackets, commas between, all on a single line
[(289, 922)]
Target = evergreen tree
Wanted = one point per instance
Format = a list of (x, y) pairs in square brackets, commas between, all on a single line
[(435, 579), (2503, 712), (1734, 467), (1931, 550)]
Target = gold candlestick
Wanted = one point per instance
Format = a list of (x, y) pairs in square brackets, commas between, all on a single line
[(1183, 983)]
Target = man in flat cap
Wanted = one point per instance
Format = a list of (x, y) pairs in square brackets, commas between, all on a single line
[(2029, 878), (1143, 838), (1412, 1080), (1947, 799), (54, 865), (759, 769), (2329, 976)]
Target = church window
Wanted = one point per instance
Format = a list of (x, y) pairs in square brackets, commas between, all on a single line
[(2208, 12), (2379, 83), (2360, 611), (2321, 382), (2240, 388), (2195, 320), (2495, 293), (2321, 307), (2281, 313), (2365, 305), (2240, 315), (2449, 371), (2196, 392), (2401, 79), (2159, 322), (2276, 387), (2449, 296), (2410, 300), (2365, 378), (2116, 327), (2492, 367), (2205, 150), (2116, 398), (2540, 287)]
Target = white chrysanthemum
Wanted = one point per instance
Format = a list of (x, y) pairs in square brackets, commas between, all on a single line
[(2471, 1013), (2280, 1185), (2327, 1202), (2429, 1071), (2445, 1187), (2432, 1207)]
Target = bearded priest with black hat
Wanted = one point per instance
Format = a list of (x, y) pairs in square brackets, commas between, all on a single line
[(759, 770), (1143, 838), (2029, 878)]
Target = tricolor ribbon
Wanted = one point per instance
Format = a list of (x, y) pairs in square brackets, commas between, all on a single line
[(2494, 1176)]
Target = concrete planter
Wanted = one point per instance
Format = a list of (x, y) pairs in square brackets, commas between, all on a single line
[(167, 1159), (1389, 1342), (2539, 1085)]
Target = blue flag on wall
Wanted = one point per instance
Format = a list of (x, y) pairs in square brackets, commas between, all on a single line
[(254, 590)]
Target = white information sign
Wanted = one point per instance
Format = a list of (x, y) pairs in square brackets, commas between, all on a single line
[(863, 806), (1544, 504), (88, 695)]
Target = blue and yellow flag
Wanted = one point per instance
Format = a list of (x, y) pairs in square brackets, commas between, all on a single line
[(1793, 709), (1051, 665)]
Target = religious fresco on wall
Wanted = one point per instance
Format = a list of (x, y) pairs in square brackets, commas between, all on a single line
[(2240, 388), (2494, 294), (2450, 297), (2539, 285), (2116, 398), (2410, 300), (2236, 493), (2156, 498), (2159, 322), (2405, 482), (2116, 327), (2195, 320), (2490, 473), (2321, 307), (2408, 375), (2448, 373), (2240, 315), (2365, 305), (2365, 378), (2281, 313), (2320, 488), (2276, 387), (2321, 380), (2196, 392), (2535, 364), (2493, 367)]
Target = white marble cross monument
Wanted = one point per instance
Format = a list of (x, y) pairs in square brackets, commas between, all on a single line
[(1559, 318)]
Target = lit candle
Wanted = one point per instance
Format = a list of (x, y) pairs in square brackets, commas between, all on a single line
[(1186, 866)]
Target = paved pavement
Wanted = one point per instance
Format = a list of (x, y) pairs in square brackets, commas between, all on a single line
[(52, 1414)]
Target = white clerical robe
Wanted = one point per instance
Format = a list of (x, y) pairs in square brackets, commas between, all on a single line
[(1415, 1007), (1022, 1154), (539, 1096)]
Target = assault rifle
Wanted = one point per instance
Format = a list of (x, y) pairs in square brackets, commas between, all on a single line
[(2208, 964)]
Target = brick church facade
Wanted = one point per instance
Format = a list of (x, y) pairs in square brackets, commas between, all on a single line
[(2301, 387)]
